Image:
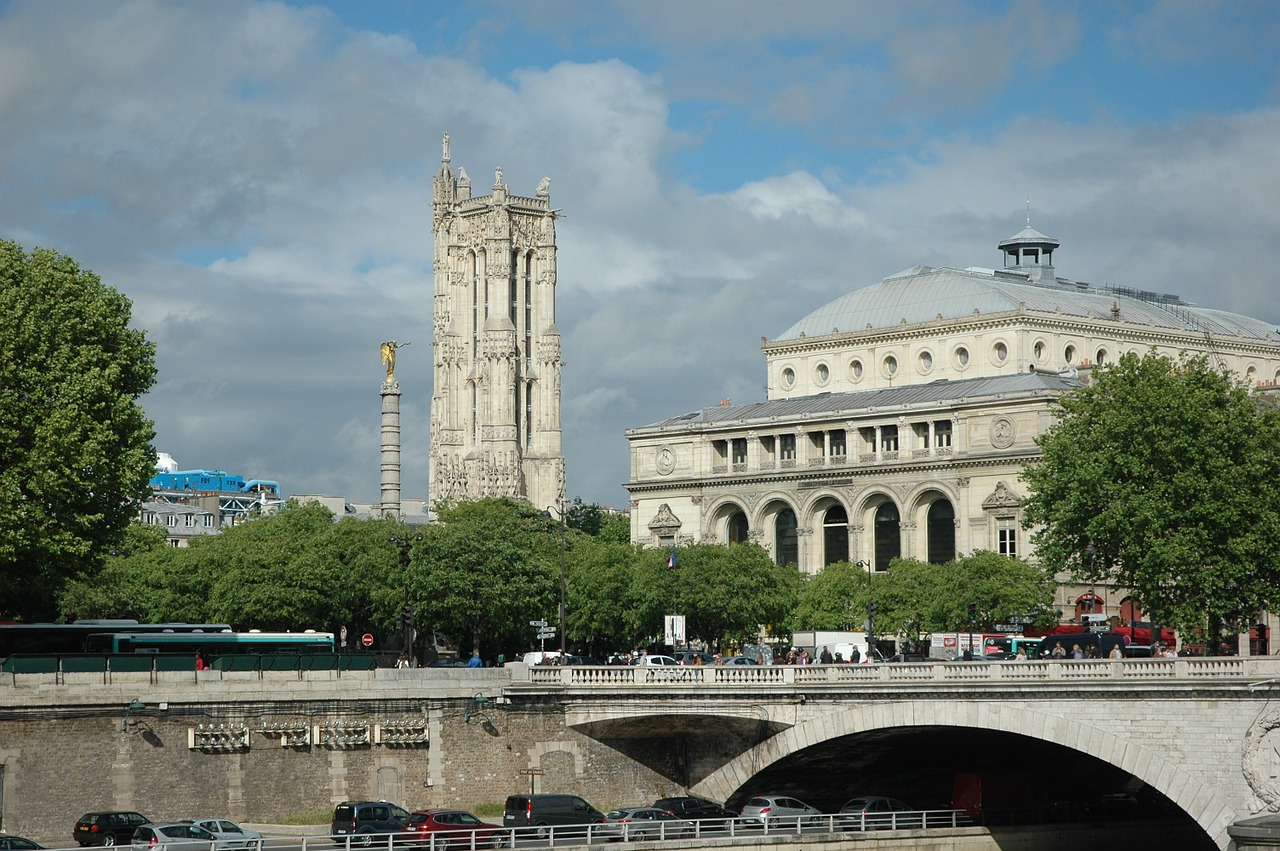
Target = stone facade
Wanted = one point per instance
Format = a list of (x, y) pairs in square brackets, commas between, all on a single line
[(495, 406), (898, 417)]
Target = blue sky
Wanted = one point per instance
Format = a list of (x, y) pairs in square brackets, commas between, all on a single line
[(256, 178)]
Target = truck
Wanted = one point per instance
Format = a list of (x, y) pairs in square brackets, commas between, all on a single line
[(840, 642)]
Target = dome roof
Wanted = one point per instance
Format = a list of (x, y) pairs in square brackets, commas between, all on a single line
[(925, 294)]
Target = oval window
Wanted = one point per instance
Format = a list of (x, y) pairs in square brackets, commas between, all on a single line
[(926, 361), (1039, 351), (1070, 354), (962, 357), (788, 377), (1001, 352), (1101, 357), (823, 373), (855, 369), (890, 366)]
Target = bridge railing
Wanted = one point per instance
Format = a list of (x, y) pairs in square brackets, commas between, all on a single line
[(878, 674)]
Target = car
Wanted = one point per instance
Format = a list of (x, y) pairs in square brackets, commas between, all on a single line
[(874, 812), (581, 660), (228, 833), (17, 843), (544, 811), (360, 820), (452, 829), (739, 660), (696, 809), (779, 811), (446, 662), (107, 828), (633, 824), (655, 660), (693, 657), (173, 836)]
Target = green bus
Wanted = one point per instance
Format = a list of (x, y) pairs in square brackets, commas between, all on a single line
[(211, 643)]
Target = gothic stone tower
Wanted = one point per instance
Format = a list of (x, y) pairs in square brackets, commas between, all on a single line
[(495, 406)]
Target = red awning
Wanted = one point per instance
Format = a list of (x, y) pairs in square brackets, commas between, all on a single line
[(1090, 598)]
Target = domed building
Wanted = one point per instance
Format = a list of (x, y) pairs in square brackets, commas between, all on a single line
[(899, 415)]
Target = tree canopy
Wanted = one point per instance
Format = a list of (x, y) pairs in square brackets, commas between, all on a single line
[(1163, 477), (75, 445)]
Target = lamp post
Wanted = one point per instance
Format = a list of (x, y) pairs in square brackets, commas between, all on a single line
[(559, 513)]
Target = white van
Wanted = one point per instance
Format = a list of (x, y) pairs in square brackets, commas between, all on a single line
[(539, 657)]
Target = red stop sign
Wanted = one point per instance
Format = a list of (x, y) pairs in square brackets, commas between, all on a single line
[(367, 639)]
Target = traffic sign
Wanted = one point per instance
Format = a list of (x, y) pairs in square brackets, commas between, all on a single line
[(532, 772), (547, 633), (342, 633), (367, 639), (537, 623)]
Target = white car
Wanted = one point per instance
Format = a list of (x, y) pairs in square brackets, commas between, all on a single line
[(780, 811), (656, 661), (229, 834), (173, 836)]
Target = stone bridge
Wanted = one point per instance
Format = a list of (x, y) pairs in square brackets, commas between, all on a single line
[(256, 746), (1202, 732)]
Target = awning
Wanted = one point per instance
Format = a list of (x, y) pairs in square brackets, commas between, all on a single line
[(1090, 598)]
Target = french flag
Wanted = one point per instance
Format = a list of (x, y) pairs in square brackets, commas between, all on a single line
[(671, 562)]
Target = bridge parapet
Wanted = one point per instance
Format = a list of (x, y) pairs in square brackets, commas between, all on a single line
[(1063, 670)]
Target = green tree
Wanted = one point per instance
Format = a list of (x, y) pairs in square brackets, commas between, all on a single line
[(484, 571), (75, 445), (1163, 477), (727, 593), (836, 599)]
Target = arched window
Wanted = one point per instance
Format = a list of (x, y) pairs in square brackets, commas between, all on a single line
[(786, 547), (737, 528), (835, 535), (941, 528), (888, 536)]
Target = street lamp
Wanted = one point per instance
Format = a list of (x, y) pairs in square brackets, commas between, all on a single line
[(559, 512)]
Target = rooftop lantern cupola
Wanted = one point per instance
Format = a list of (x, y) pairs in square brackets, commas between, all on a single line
[(1031, 252)]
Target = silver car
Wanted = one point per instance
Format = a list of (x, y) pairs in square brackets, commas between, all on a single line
[(173, 836), (632, 824), (780, 811), (228, 833)]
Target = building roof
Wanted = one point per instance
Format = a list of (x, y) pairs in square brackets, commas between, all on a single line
[(926, 294), (867, 401)]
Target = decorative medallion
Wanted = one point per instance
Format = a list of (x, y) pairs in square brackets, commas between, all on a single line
[(1260, 761), (1002, 432), (666, 460)]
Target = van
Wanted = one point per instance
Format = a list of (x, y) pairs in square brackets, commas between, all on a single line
[(365, 818), (1101, 642), (543, 811)]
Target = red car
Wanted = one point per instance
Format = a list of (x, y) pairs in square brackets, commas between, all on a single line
[(452, 829)]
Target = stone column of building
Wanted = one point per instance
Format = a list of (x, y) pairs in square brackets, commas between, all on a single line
[(390, 497), (495, 406)]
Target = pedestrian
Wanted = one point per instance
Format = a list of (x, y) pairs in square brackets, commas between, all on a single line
[(1058, 652), (717, 659), (202, 664), (825, 656), (1076, 652), (474, 661), (1116, 653), (1021, 655), (403, 661), (792, 656), (855, 655)]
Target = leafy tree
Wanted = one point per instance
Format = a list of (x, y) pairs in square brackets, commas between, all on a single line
[(726, 593), (75, 445), (1164, 477), (836, 599), (604, 613), (484, 571)]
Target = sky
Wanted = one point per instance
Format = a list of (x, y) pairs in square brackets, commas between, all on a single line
[(256, 178)]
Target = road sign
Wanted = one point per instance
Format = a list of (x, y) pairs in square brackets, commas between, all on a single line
[(532, 772), (367, 639), (342, 634), (547, 633), (537, 623)]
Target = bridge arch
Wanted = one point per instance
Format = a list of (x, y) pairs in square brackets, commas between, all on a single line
[(1172, 780)]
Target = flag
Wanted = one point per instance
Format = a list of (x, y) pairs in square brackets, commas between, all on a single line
[(671, 562)]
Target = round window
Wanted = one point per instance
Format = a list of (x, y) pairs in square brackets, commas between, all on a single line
[(1101, 357), (1040, 351), (855, 369), (890, 366), (1000, 352), (788, 377), (962, 357), (823, 373), (1069, 354), (926, 361)]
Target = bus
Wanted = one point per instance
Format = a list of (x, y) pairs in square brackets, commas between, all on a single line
[(58, 638), (211, 643)]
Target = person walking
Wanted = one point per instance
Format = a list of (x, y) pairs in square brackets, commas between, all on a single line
[(474, 661), (825, 656)]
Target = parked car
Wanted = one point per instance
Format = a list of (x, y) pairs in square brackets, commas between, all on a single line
[(696, 809), (545, 811), (633, 824), (173, 836), (873, 812), (452, 828), (228, 833), (447, 662), (655, 661), (17, 843), (693, 657), (740, 660), (362, 819), (109, 828), (581, 660), (775, 811)]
